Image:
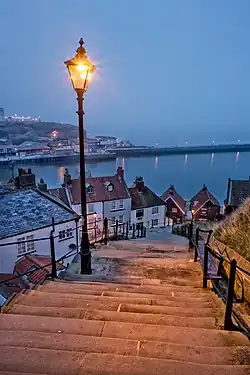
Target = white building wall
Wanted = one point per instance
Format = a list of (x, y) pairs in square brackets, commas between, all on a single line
[(9, 253), (148, 217)]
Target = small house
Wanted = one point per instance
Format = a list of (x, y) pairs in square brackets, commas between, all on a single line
[(204, 206), (175, 205), (147, 208)]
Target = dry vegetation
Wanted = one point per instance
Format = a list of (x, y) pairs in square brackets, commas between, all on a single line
[(234, 231)]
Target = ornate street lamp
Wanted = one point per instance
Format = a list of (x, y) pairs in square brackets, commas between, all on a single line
[(80, 70)]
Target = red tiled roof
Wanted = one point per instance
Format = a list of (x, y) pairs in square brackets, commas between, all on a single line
[(29, 262), (203, 196), (100, 192), (12, 286), (171, 193)]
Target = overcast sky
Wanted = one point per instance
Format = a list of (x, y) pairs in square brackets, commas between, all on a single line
[(168, 71)]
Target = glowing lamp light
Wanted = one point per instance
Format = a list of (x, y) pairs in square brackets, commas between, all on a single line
[(193, 212), (80, 69), (95, 215)]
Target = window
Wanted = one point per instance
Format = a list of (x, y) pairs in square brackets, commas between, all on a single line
[(89, 189), (113, 205), (110, 187), (174, 210), (21, 247), (121, 203), (30, 245), (91, 208), (113, 220), (139, 214), (121, 219), (69, 232), (62, 234), (155, 210), (154, 222)]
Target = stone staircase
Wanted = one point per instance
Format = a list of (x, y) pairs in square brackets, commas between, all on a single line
[(161, 323)]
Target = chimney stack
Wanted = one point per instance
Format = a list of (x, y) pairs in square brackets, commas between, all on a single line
[(139, 183), (42, 186), (25, 179), (120, 172), (67, 180)]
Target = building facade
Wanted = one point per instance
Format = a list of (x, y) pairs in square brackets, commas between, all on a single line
[(147, 208), (205, 206), (175, 205), (26, 225), (107, 197)]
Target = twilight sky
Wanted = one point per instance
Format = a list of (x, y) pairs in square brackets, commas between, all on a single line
[(169, 71)]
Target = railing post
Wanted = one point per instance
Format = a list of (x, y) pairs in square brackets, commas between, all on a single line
[(205, 266), (209, 236), (53, 256), (127, 229), (116, 229), (191, 235), (228, 324), (197, 244), (105, 227), (133, 233)]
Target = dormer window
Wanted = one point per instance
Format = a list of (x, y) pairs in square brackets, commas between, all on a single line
[(109, 186), (89, 189)]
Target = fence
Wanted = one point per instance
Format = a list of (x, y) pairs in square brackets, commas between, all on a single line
[(212, 265), (101, 231)]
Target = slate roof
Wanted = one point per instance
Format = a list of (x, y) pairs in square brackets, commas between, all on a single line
[(240, 190), (100, 192), (29, 209), (144, 198), (203, 196), (60, 193), (35, 261), (171, 193)]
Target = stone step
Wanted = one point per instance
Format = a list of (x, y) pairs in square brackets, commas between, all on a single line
[(78, 313), (66, 342), (171, 301), (96, 364), (133, 294), (121, 330), (101, 304), (50, 362), (149, 349), (123, 287), (18, 373)]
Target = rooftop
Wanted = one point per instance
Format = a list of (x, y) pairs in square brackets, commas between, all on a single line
[(29, 209), (31, 262), (143, 197), (203, 196), (101, 189), (171, 193), (240, 191)]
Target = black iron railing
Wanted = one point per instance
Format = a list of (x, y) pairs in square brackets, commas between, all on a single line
[(101, 231), (212, 265)]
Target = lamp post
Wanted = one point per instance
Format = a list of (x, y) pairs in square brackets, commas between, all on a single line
[(191, 229), (80, 71)]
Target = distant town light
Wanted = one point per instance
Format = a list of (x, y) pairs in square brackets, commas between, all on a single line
[(80, 69)]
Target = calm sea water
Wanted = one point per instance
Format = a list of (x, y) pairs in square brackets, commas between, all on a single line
[(187, 173)]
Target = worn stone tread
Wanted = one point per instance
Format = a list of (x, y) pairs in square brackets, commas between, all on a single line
[(104, 364)]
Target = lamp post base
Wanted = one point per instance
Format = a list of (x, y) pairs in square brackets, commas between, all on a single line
[(86, 263)]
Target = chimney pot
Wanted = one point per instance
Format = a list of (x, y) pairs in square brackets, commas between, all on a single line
[(120, 172)]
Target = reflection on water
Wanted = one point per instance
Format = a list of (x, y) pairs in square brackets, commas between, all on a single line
[(212, 159), (187, 172), (60, 172), (156, 162)]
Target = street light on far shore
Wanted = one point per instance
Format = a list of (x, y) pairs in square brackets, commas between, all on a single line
[(80, 71)]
